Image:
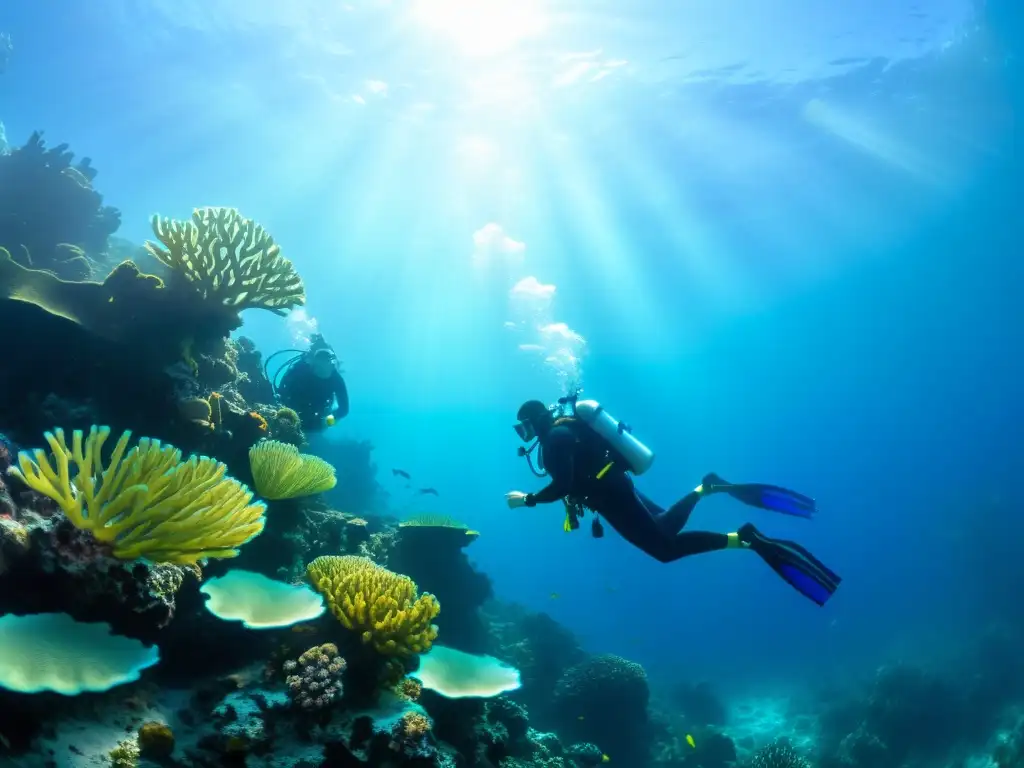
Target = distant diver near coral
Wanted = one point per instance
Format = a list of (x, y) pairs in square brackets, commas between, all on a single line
[(310, 384), (588, 455)]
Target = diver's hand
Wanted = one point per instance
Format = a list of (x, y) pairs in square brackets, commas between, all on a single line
[(515, 499)]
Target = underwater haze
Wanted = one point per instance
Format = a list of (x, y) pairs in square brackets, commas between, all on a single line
[(781, 239)]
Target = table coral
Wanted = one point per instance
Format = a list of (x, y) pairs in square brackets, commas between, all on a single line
[(230, 259)]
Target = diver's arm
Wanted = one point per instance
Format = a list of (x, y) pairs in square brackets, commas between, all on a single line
[(559, 462), (341, 395)]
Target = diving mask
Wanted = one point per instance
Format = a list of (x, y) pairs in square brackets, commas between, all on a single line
[(525, 431)]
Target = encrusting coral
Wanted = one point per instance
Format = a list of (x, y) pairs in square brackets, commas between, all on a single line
[(146, 502), (281, 472), (381, 605), (228, 258)]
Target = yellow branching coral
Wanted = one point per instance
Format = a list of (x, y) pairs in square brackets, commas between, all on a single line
[(228, 258), (281, 472), (381, 605), (146, 502)]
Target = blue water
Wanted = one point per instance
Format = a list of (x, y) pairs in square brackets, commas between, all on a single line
[(786, 238)]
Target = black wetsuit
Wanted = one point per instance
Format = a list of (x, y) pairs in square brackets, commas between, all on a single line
[(573, 456), (312, 397)]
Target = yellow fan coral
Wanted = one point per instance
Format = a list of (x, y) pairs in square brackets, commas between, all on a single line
[(146, 502), (380, 604), (229, 258), (281, 472)]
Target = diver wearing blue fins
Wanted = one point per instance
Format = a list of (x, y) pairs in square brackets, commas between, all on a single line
[(588, 456)]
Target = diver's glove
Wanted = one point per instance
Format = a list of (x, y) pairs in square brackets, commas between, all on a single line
[(515, 499)]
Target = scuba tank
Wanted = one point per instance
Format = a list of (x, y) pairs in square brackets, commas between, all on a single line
[(617, 433)]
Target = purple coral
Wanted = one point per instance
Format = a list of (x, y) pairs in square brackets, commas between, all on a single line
[(314, 680)]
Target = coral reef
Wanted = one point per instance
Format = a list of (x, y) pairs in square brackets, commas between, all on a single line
[(51, 217), (429, 549), (146, 502), (540, 648), (380, 605), (779, 754), (253, 383), (604, 700), (49, 565)]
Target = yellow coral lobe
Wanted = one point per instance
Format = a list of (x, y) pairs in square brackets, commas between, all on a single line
[(146, 502), (281, 472), (228, 258), (381, 605)]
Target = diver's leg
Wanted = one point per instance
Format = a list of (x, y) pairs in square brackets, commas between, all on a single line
[(633, 516), (639, 521), (674, 519)]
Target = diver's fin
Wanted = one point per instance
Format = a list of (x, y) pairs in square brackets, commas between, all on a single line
[(801, 570), (770, 497)]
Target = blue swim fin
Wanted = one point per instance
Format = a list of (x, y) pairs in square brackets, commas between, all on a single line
[(800, 569), (770, 497)]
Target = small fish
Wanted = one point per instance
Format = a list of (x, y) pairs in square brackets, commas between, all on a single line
[(581, 717), (400, 473), (690, 741), (428, 492), (554, 595)]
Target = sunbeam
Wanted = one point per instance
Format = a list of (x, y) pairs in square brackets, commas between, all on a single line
[(482, 27)]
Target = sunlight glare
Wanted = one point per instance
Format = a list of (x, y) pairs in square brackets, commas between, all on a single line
[(482, 27), (477, 151)]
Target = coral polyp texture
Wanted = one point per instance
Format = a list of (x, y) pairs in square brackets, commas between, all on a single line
[(778, 754), (229, 259), (382, 606), (145, 502), (314, 679), (281, 472)]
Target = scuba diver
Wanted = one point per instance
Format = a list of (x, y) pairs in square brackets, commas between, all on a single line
[(311, 385), (588, 456)]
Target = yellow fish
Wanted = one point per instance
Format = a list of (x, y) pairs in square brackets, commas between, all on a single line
[(605, 759), (690, 741)]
